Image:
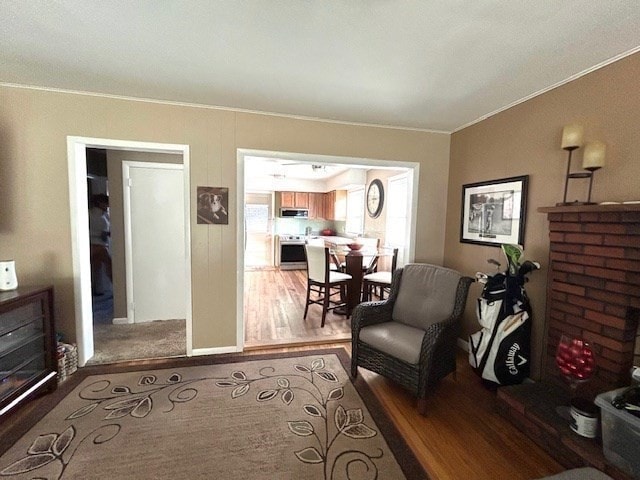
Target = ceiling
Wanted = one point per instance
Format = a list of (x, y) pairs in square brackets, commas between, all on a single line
[(425, 64)]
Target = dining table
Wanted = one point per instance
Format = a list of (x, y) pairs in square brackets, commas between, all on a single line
[(354, 261)]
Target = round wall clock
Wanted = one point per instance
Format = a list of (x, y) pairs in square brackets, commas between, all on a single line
[(375, 198)]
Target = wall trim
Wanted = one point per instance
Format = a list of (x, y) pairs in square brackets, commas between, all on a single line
[(216, 107), (121, 321), (216, 350), (598, 66)]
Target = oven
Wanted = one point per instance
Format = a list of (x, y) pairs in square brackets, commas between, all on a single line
[(292, 253)]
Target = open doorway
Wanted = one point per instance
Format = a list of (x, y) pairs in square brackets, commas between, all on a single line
[(135, 341), (312, 197)]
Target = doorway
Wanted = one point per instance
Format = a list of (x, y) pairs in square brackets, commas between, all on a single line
[(271, 301), (76, 148)]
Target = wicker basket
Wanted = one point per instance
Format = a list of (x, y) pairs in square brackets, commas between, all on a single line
[(67, 360)]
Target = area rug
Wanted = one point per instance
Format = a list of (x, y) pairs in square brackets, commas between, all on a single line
[(295, 416)]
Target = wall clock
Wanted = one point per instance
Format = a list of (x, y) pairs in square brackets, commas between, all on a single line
[(375, 198)]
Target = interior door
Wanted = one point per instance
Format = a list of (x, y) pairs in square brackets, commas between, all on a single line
[(154, 241)]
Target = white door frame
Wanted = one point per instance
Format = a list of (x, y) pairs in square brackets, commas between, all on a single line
[(413, 172), (78, 201), (128, 242)]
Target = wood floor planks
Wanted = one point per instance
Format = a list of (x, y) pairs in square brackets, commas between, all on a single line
[(274, 303), (461, 437)]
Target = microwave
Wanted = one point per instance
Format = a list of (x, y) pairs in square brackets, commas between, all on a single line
[(294, 212)]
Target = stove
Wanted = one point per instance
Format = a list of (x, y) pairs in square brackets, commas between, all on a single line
[(292, 239), (292, 253)]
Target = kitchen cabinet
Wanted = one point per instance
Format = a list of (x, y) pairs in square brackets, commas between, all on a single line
[(316, 206), (28, 362), (335, 205), (294, 200)]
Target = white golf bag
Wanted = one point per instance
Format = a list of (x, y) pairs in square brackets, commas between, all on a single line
[(500, 352)]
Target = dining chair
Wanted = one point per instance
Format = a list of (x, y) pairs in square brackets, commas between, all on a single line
[(324, 282), (380, 280), (335, 262)]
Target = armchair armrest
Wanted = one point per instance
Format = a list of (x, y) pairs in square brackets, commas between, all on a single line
[(370, 313)]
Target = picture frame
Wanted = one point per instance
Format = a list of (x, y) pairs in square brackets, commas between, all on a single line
[(213, 205), (494, 212)]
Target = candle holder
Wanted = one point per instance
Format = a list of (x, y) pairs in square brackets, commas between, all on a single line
[(593, 160), (588, 174)]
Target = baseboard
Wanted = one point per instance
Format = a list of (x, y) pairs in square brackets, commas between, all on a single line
[(215, 350), (120, 321), (463, 344)]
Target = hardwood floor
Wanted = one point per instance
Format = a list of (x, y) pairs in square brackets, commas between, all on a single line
[(461, 436), (274, 306)]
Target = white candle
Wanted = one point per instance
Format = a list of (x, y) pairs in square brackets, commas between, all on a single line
[(572, 136), (593, 157)]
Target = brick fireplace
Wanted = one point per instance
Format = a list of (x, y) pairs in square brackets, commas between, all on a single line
[(593, 287), (593, 292)]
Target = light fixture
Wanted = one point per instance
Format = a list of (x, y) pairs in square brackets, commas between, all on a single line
[(593, 160)]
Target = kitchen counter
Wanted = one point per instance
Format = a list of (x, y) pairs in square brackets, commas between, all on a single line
[(337, 241)]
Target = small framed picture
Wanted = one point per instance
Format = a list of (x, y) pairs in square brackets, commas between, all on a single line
[(213, 205), (494, 212)]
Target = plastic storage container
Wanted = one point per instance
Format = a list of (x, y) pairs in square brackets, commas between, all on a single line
[(620, 434)]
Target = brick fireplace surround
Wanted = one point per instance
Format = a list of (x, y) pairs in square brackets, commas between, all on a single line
[(593, 291)]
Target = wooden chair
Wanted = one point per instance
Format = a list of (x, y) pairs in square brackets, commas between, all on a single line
[(380, 280), (323, 281), (411, 337)]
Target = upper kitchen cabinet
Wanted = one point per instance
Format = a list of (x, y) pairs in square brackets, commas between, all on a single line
[(294, 200), (335, 205), (316, 205)]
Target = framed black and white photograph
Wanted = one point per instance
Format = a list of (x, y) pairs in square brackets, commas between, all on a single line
[(494, 212), (213, 204)]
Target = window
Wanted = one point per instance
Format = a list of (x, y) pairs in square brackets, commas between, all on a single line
[(397, 213), (355, 211), (256, 218)]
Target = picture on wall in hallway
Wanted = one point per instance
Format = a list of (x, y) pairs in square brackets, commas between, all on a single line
[(494, 212), (213, 205)]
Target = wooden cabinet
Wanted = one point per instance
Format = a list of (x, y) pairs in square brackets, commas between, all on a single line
[(294, 199), (316, 206), (335, 205), (328, 206), (28, 361), (287, 199)]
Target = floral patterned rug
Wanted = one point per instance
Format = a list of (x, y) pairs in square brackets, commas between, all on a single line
[(252, 417)]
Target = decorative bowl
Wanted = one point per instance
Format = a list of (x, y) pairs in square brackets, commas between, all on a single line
[(327, 232)]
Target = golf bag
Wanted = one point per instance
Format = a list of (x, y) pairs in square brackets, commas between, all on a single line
[(501, 351)]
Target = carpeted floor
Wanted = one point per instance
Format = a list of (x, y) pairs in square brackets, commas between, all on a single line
[(115, 343), (281, 416)]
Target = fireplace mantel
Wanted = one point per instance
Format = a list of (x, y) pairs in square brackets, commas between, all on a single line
[(618, 207)]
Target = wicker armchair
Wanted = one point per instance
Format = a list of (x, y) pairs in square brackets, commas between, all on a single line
[(411, 337)]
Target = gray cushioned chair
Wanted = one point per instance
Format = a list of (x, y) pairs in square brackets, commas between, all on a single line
[(411, 337)]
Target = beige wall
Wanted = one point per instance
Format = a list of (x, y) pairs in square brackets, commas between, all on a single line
[(525, 140), (116, 211), (34, 198), (375, 227)]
